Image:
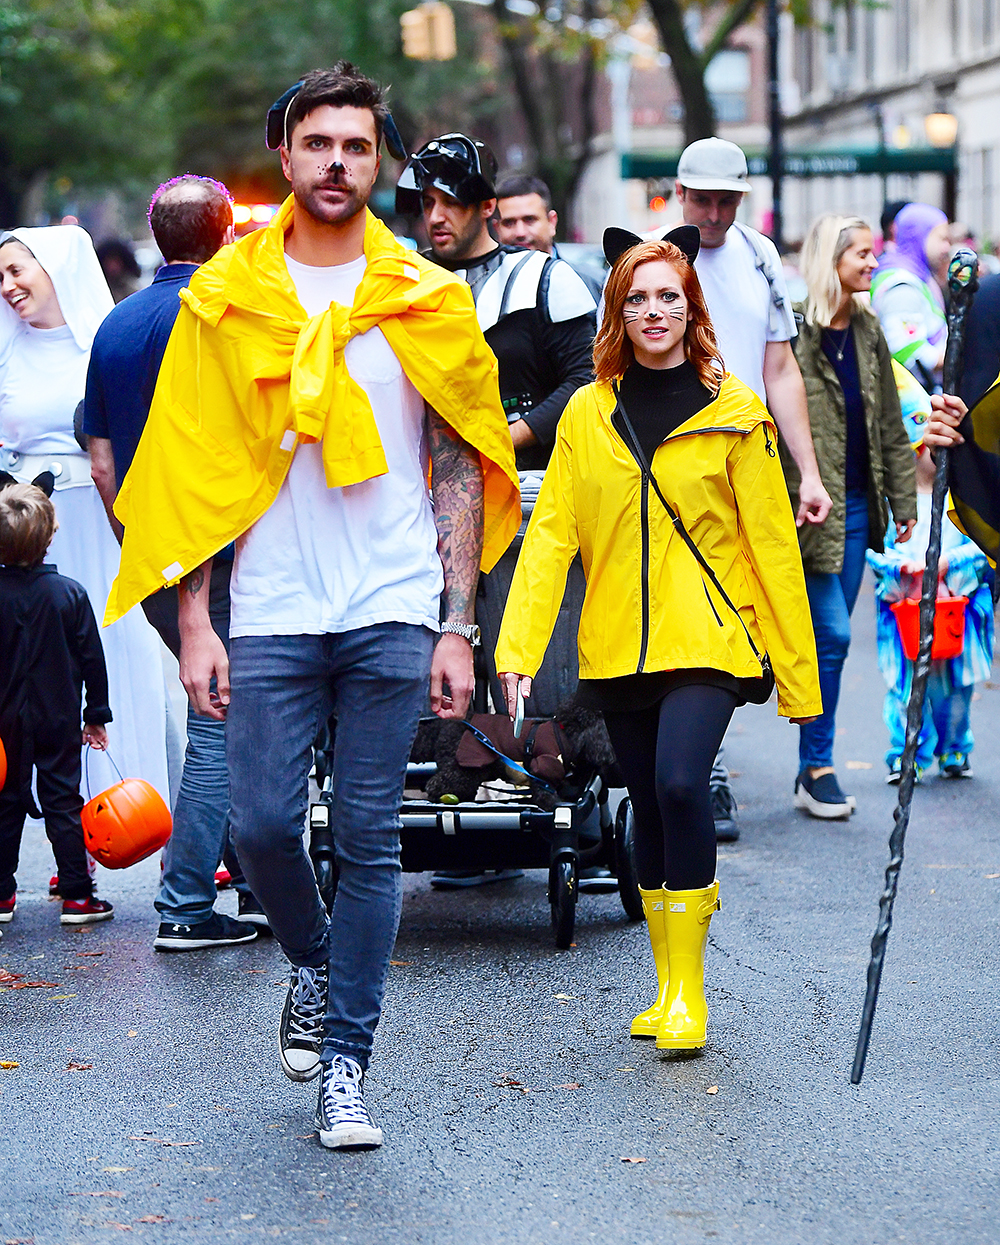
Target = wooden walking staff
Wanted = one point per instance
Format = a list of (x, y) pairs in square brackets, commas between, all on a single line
[(962, 284)]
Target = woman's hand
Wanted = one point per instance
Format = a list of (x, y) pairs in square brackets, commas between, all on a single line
[(904, 531), (942, 427), (509, 684), (802, 721)]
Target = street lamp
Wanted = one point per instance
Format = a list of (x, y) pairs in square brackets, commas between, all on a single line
[(941, 129)]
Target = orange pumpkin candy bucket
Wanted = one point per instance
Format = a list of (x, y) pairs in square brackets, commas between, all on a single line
[(126, 823)]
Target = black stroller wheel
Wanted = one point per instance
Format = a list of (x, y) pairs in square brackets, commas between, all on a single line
[(628, 879), (562, 897)]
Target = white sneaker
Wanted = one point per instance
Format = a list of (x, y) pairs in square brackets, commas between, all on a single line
[(342, 1118)]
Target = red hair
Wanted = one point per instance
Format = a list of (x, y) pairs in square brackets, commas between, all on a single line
[(612, 349)]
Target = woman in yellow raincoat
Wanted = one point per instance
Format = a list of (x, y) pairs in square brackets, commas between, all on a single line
[(665, 477)]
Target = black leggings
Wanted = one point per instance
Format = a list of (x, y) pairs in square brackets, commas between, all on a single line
[(666, 754)]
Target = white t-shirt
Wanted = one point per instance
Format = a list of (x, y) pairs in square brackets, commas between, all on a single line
[(42, 379), (739, 302), (331, 560)]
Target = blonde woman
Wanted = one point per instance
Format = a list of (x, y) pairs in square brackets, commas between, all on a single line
[(670, 639), (865, 462)]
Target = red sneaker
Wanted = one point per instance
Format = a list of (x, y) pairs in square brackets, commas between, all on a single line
[(7, 907), (85, 911), (54, 886), (222, 879)]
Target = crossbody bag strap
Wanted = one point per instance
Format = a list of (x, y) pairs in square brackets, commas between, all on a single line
[(675, 518)]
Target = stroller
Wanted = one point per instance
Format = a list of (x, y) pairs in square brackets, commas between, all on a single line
[(506, 825)]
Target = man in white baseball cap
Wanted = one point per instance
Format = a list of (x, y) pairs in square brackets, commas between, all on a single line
[(741, 276)]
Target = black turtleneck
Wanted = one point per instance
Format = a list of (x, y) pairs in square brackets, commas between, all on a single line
[(658, 401)]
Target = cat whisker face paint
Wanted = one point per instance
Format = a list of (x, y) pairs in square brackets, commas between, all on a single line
[(655, 314)]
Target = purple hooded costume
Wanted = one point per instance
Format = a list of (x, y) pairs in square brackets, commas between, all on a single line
[(907, 299)]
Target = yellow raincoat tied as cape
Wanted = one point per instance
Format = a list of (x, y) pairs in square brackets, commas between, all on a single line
[(247, 375)]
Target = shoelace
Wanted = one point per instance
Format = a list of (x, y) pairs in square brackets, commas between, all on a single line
[(305, 1020), (342, 1099)]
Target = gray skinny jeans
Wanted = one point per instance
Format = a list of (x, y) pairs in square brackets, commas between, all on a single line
[(283, 688)]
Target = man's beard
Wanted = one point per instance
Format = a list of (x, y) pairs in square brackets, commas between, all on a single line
[(331, 213), (458, 246)]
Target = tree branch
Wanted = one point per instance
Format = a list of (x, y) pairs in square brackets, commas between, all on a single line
[(734, 16)]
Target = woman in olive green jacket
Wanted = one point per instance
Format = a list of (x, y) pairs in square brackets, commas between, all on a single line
[(864, 459)]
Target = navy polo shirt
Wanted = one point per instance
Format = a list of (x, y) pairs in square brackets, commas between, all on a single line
[(125, 361)]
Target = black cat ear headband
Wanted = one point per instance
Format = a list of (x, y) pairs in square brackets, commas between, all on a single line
[(277, 121), (686, 237)]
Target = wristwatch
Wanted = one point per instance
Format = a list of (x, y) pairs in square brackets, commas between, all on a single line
[(468, 631)]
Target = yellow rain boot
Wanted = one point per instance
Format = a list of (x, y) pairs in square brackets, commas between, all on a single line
[(685, 1014), (647, 1023)]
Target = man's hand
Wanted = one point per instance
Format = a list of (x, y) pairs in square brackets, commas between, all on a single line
[(452, 665), (904, 531), (204, 658), (941, 431), (95, 735), (203, 655), (814, 501), (509, 684), (521, 434)]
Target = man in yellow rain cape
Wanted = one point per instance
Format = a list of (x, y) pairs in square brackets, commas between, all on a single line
[(317, 373)]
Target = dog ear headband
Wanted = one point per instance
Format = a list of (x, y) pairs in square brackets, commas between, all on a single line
[(277, 121), (617, 241)]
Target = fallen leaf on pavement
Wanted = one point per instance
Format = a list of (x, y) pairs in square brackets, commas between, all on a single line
[(624, 1069), (9, 1063), (133, 1033), (117, 1169), (401, 963), (28, 985), (991, 875), (153, 1219), (55, 998), (162, 1141), (633, 1159), (90, 953), (507, 1083), (859, 764), (80, 1067), (124, 1227), (566, 997), (569, 1085), (712, 1089), (106, 1193), (255, 970)]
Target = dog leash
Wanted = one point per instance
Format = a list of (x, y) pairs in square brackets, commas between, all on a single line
[(488, 743)]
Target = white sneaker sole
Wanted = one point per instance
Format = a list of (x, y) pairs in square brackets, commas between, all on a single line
[(7, 917), (350, 1137), (84, 918), (829, 812), (199, 944)]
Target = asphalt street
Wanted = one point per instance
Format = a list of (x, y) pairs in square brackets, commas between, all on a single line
[(148, 1100)]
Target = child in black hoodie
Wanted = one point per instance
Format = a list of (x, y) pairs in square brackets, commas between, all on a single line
[(49, 648)]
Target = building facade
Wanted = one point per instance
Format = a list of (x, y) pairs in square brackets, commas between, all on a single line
[(895, 79)]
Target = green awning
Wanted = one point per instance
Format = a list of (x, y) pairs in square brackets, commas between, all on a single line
[(837, 162)]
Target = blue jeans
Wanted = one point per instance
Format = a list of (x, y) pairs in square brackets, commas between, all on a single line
[(201, 826), (831, 601), (945, 727), (283, 689)]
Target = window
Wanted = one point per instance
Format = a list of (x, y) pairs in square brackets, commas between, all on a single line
[(903, 35), (727, 80)]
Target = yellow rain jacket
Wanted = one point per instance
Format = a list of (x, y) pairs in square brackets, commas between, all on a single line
[(649, 605), (247, 375)]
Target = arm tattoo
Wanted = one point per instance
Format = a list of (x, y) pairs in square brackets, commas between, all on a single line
[(194, 582), (457, 482)]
